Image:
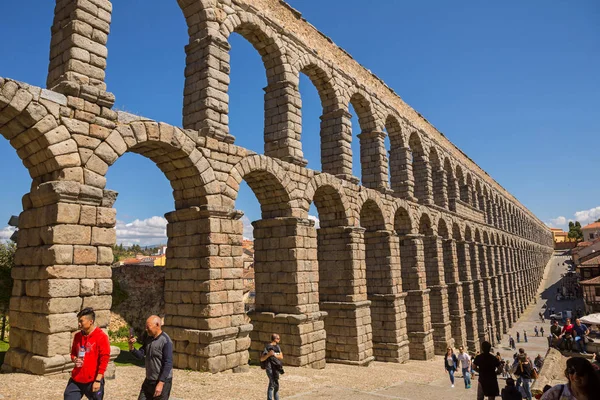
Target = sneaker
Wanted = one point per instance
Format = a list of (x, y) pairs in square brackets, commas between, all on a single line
[(452, 385), (468, 386)]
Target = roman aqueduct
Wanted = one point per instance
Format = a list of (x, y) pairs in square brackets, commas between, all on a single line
[(396, 271)]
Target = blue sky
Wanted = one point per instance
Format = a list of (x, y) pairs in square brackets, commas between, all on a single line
[(514, 84)]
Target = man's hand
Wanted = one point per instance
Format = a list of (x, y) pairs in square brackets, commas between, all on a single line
[(78, 362), (131, 341), (96, 386), (159, 388), (271, 353)]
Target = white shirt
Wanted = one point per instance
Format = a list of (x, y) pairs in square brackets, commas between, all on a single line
[(464, 359)]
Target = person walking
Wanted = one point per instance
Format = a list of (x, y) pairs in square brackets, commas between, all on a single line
[(525, 335), (580, 331), (535, 330), (272, 358), (518, 337), (510, 391), (486, 364), (542, 331), (90, 352), (583, 383), (450, 363), (524, 371), (157, 353), (511, 342), (465, 364)]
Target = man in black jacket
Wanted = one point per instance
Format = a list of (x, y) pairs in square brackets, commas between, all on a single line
[(273, 357)]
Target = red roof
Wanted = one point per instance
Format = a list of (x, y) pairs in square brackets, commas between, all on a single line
[(592, 261), (593, 281), (593, 225)]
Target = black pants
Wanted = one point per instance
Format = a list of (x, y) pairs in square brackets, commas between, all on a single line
[(76, 391), (147, 392)]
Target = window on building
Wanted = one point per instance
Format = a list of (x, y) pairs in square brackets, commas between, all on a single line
[(597, 291)]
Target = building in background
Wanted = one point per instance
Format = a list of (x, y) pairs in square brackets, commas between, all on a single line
[(591, 231)]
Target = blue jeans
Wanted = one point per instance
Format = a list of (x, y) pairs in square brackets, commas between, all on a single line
[(527, 388), (273, 389), (466, 376), (580, 343), (451, 373)]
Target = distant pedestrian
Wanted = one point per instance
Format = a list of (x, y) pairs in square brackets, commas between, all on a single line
[(518, 337), (542, 331), (486, 364), (535, 330), (525, 335), (498, 337), (511, 342), (450, 363), (271, 357), (465, 364)]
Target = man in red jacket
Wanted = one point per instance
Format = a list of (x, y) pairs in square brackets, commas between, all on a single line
[(90, 353)]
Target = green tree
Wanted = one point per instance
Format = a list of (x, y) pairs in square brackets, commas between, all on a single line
[(575, 231), (7, 256)]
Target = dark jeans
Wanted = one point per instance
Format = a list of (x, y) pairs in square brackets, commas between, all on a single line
[(76, 391), (273, 389), (147, 392)]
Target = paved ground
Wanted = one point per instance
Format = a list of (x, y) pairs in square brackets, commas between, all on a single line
[(530, 319), (416, 380)]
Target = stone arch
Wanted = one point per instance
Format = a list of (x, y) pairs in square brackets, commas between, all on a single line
[(470, 188), (371, 196), (442, 229), (451, 181), (175, 154), (269, 182), (439, 183), (403, 224), (425, 225), (399, 164), (421, 169), (330, 199), (321, 77), (456, 232), (282, 130), (44, 146)]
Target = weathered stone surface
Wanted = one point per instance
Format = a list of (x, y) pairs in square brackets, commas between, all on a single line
[(423, 254)]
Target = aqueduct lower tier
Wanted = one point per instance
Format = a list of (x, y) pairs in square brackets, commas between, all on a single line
[(441, 256)]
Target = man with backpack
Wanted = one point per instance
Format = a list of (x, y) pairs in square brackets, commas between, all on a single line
[(524, 370), (271, 361)]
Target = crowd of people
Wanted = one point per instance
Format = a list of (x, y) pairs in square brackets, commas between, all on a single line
[(91, 353)]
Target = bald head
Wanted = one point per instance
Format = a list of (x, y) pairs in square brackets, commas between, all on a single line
[(153, 325)]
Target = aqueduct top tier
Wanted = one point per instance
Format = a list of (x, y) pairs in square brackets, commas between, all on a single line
[(439, 240)]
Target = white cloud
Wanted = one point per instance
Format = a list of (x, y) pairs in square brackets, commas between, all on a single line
[(317, 222), (150, 231), (248, 228), (559, 222), (6, 233), (584, 217), (587, 216)]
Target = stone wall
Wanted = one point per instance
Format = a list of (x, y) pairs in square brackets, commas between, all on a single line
[(389, 269), (138, 293)]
